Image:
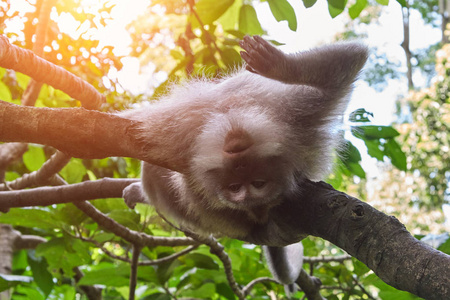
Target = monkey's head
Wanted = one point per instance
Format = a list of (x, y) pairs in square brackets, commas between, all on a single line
[(241, 162)]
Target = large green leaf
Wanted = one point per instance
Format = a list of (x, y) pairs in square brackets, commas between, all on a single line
[(34, 158), (355, 10), (248, 21), (336, 7), (394, 152), (9, 281), (211, 10), (374, 132), (5, 93), (282, 10), (339, 4), (41, 275), (375, 149), (205, 291), (200, 261), (74, 171), (65, 254), (32, 218), (351, 159), (107, 274)]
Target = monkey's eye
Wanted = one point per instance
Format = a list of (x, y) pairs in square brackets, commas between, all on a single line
[(234, 187), (258, 184)]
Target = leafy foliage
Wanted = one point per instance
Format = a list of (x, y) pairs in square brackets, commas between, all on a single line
[(428, 138), (204, 41)]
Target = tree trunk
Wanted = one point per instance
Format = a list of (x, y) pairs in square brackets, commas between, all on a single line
[(405, 45)]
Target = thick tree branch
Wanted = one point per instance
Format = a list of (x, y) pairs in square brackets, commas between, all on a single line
[(378, 240), (87, 134), (25, 61)]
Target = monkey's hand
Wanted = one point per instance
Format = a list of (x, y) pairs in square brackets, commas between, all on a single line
[(264, 59)]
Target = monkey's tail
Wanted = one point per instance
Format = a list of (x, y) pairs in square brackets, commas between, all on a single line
[(285, 264)]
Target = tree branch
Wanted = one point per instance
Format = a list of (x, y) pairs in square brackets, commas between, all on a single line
[(87, 134), (39, 177), (379, 241), (26, 62)]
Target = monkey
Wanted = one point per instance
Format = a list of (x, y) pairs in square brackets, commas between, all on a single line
[(248, 137)]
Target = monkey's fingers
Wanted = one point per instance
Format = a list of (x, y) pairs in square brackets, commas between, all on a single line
[(265, 48)]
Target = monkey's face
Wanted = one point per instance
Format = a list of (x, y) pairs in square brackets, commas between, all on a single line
[(250, 173), (248, 181)]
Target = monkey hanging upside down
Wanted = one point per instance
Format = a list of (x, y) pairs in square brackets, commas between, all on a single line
[(250, 137)]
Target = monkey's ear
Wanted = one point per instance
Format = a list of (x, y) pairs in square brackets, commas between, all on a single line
[(237, 141)]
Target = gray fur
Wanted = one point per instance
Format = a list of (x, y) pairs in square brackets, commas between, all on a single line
[(290, 108)]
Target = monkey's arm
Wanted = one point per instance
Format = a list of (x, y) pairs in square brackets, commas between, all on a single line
[(331, 68)]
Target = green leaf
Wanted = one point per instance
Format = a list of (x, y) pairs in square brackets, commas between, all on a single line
[(204, 291), (107, 274), (336, 7), (309, 3), (248, 21), (165, 271), (32, 218), (230, 18), (445, 247), (64, 253), (402, 2), (158, 296), (41, 275), (128, 218), (211, 10), (359, 268), (349, 153), (375, 149), (5, 93), (355, 10), (200, 261), (339, 4), (34, 158), (28, 292), (9, 281), (360, 116), (394, 152), (383, 2), (374, 132), (74, 171), (230, 57), (351, 158), (356, 169), (282, 10)]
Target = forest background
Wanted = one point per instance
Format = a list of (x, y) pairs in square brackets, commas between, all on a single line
[(132, 61)]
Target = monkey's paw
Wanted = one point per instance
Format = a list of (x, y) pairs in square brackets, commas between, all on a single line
[(261, 57), (133, 194)]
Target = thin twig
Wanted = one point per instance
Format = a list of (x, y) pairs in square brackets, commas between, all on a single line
[(134, 269), (217, 249), (249, 286), (41, 176)]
